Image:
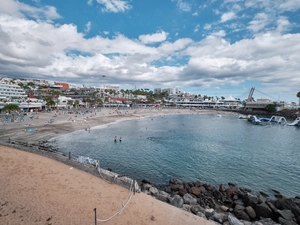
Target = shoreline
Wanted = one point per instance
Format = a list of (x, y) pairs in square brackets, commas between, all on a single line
[(17, 177)]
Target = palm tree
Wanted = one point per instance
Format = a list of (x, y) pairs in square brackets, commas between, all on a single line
[(298, 96), (10, 107)]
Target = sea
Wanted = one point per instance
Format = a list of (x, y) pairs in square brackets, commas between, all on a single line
[(215, 149)]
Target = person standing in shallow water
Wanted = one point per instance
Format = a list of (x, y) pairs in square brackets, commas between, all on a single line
[(115, 139), (120, 139)]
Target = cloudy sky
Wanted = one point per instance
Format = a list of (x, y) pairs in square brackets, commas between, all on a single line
[(208, 47)]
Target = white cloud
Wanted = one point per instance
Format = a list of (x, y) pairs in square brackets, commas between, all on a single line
[(115, 6), (90, 2), (290, 5), (207, 26), (182, 5), (282, 24), (227, 16), (153, 38), (15, 8), (197, 28), (87, 27), (259, 22), (28, 48)]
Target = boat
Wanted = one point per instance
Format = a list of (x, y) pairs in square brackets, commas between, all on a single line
[(296, 122)]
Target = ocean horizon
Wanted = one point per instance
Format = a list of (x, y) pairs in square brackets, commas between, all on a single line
[(205, 147)]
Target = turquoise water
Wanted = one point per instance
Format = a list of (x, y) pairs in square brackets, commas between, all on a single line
[(194, 147)]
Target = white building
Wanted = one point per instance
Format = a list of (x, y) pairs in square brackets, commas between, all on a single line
[(11, 92)]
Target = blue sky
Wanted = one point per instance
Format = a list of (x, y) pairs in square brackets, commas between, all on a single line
[(213, 48)]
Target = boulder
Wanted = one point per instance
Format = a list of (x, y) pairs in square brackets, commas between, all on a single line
[(250, 200), (286, 222), (218, 195), (231, 191), (286, 214), (196, 209), (182, 192), (233, 220), (224, 208), (240, 213), (153, 191), (219, 217), (188, 199), (222, 188), (146, 187), (163, 196), (251, 213), (174, 181), (196, 191), (209, 212), (177, 201), (198, 184), (263, 210), (201, 214)]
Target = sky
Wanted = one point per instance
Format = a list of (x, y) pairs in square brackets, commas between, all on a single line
[(214, 48)]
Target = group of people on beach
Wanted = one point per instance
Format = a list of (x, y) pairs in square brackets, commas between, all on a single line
[(115, 139)]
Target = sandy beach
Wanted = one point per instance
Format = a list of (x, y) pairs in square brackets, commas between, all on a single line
[(39, 190)]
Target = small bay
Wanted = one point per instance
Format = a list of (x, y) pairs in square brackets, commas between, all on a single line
[(206, 147)]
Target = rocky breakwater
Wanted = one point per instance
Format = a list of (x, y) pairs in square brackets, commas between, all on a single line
[(228, 204)]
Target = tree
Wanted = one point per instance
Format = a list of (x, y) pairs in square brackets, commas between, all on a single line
[(270, 108), (11, 107), (49, 101), (298, 96)]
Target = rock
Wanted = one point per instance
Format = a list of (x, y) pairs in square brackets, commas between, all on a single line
[(146, 187), (209, 212), (153, 191), (272, 207), (182, 192), (163, 196), (202, 190), (198, 184), (196, 209), (265, 221), (239, 202), (240, 213), (218, 195), (177, 201), (251, 213), (224, 208), (286, 214), (250, 200), (201, 214), (188, 199), (263, 210), (231, 191), (195, 191), (174, 181), (219, 217), (286, 222), (233, 220), (287, 203), (176, 187), (222, 188)]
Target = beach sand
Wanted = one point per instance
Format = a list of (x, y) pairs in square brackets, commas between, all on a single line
[(39, 190)]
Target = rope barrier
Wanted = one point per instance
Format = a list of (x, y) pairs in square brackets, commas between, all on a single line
[(98, 168), (125, 202), (127, 199)]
